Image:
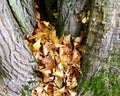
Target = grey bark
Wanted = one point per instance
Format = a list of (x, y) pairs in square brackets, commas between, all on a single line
[(16, 60), (102, 49), (69, 20), (102, 45)]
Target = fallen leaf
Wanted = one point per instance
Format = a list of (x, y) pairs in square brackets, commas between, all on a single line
[(77, 41), (58, 73), (49, 62), (36, 45), (46, 23), (58, 81), (72, 93), (74, 83), (59, 92), (76, 57), (67, 39)]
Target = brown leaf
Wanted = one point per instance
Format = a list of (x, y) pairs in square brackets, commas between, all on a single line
[(77, 41), (66, 39), (65, 49), (76, 57), (49, 62)]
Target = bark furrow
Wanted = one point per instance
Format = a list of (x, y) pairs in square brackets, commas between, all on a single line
[(16, 59)]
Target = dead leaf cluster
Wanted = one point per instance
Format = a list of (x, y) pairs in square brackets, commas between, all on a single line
[(58, 60)]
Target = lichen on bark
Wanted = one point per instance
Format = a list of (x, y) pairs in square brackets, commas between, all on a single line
[(101, 61)]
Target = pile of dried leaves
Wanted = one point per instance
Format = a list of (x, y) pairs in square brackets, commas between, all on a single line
[(58, 60)]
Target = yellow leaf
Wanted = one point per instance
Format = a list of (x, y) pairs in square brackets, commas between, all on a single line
[(37, 16), (46, 23), (53, 36), (72, 93), (34, 95), (58, 73), (84, 20), (88, 13), (36, 45), (77, 41), (59, 92), (74, 83)]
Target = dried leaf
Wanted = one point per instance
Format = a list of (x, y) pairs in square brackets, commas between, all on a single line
[(36, 45), (58, 82), (53, 37), (37, 16), (76, 57), (49, 62), (66, 39), (45, 72), (59, 92), (77, 41), (72, 93), (65, 59), (58, 72), (73, 84)]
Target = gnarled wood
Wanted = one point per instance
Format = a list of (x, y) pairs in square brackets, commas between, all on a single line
[(17, 63)]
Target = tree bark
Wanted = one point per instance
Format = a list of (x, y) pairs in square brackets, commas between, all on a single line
[(16, 19), (69, 20), (101, 59), (100, 63)]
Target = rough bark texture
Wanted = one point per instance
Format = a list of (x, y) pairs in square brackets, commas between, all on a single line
[(101, 62), (24, 13), (16, 61), (69, 20)]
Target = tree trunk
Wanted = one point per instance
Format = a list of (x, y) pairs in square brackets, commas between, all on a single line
[(69, 19), (101, 59), (16, 62), (100, 63)]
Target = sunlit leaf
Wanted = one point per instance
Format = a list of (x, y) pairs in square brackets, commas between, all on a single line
[(59, 92), (58, 73), (77, 41), (84, 20), (46, 23), (37, 16), (74, 83), (72, 93), (36, 45)]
